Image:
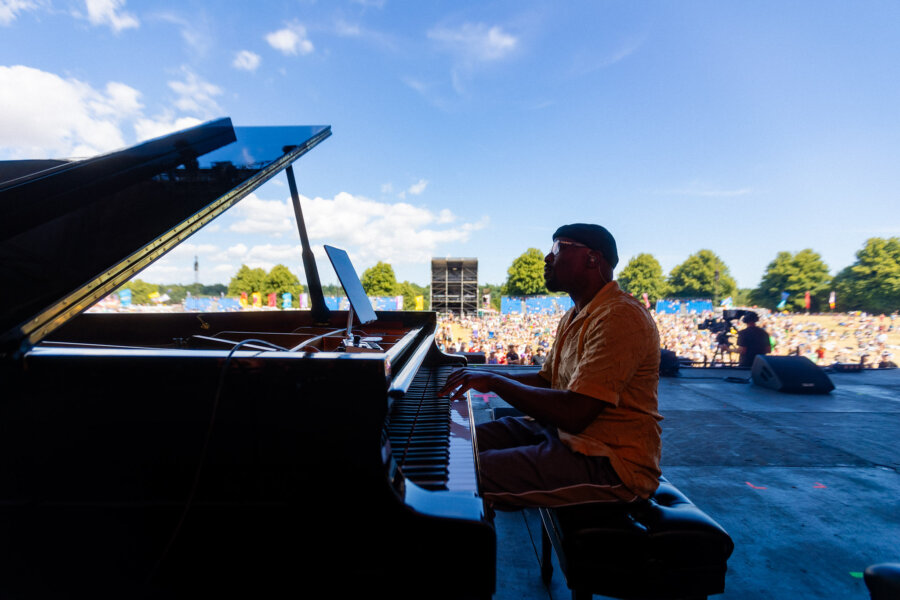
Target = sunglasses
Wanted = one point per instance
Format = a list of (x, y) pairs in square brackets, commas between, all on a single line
[(560, 244)]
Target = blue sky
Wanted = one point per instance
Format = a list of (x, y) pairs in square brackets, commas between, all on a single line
[(476, 128)]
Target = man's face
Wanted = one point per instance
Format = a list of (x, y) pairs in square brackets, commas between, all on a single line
[(564, 264)]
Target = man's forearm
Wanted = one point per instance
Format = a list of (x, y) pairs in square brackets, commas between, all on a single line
[(567, 410), (526, 376)]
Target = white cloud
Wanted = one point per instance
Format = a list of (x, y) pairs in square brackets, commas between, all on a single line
[(592, 60), (147, 128), (345, 29), (418, 187), (246, 60), (108, 12), (9, 9), (268, 217), (46, 115), (196, 95), (476, 41), (196, 31), (291, 40), (237, 250), (369, 230), (263, 256)]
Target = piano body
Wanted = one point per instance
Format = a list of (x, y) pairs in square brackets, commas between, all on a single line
[(193, 454)]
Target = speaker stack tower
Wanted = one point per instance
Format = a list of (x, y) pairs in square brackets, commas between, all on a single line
[(454, 285)]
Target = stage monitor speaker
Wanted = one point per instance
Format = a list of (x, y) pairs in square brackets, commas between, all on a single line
[(792, 374)]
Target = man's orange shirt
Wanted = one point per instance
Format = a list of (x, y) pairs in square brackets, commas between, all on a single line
[(610, 351)]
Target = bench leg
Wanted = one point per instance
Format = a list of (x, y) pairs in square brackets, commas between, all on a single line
[(546, 558)]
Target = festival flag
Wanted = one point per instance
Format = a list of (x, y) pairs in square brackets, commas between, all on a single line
[(831, 299), (286, 300), (257, 299), (243, 300), (420, 302), (784, 297), (728, 302), (272, 300), (807, 301), (646, 300)]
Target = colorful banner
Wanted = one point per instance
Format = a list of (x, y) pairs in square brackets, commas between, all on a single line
[(807, 301), (420, 302), (272, 300), (257, 299), (125, 298), (728, 302), (831, 300), (243, 300), (286, 300), (646, 300)]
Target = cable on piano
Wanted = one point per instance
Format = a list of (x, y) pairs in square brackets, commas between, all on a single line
[(204, 451), (314, 339)]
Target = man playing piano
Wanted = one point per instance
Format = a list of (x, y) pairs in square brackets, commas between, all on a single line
[(592, 432)]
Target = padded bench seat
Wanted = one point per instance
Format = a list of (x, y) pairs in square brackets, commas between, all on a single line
[(661, 548)]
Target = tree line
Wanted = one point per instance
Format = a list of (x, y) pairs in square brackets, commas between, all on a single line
[(378, 280), (871, 283)]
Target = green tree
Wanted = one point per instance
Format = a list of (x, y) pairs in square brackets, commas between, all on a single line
[(696, 277), (140, 291), (496, 292), (216, 289), (742, 297), (795, 274), (247, 280), (526, 275), (280, 280), (643, 274), (380, 280), (872, 282), (409, 291)]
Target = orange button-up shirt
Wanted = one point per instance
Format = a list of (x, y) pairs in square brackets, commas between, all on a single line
[(610, 351)]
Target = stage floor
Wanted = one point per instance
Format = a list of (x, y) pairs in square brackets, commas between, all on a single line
[(807, 486)]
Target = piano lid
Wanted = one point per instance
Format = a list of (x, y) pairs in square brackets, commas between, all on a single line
[(74, 231)]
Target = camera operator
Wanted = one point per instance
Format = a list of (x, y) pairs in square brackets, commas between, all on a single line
[(752, 340)]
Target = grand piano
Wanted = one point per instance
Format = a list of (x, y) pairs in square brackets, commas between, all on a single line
[(264, 454)]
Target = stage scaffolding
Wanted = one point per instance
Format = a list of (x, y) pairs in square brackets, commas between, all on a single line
[(454, 285)]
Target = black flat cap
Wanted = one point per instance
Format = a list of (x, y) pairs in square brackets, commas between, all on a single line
[(594, 237)]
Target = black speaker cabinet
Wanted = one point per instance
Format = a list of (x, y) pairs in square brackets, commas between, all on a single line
[(792, 374)]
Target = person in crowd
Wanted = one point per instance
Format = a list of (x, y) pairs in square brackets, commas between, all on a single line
[(538, 358), (512, 357), (594, 431), (887, 361), (752, 340)]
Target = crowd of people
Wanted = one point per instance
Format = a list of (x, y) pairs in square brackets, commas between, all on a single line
[(870, 340)]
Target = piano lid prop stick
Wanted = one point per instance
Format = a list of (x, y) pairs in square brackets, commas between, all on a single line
[(320, 311)]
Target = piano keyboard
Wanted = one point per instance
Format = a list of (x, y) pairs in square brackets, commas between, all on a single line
[(430, 437)]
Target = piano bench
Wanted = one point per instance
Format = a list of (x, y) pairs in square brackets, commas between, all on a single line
[(662, 548)]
